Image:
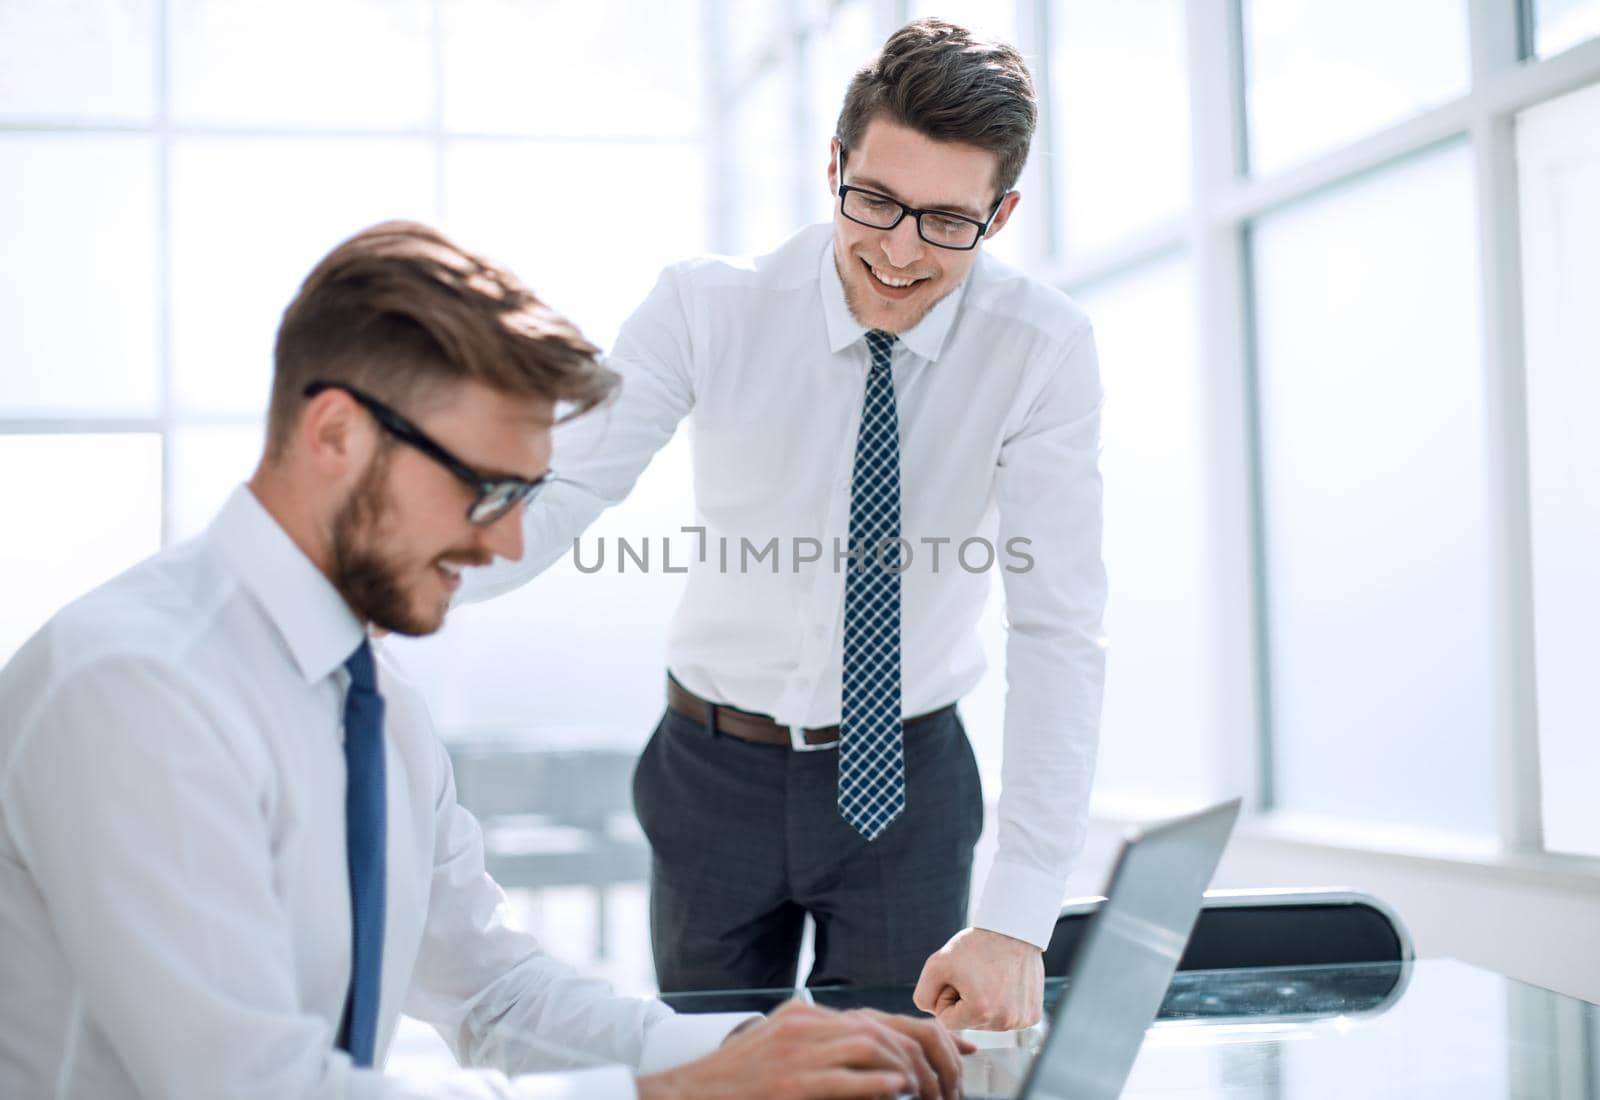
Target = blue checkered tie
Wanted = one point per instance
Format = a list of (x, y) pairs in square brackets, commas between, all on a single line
[(872, 788), (364, 814)]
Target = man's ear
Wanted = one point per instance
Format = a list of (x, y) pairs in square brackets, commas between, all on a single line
[(1003, 215), (833, 166), (335, 434)]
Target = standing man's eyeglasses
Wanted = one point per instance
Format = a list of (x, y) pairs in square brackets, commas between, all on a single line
[(495, 496), (938, 227)]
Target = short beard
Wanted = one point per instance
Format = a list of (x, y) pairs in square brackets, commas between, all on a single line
[(366, 579)]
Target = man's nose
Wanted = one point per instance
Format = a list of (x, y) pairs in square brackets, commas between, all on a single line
[(504, 535), (901, 245)]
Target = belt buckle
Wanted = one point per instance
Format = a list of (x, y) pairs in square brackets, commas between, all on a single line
[(797, 741)]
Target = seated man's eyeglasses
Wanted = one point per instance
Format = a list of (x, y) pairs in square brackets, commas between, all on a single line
[(495, 497), (938, 227)]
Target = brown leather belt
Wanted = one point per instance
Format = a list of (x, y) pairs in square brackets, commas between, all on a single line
[(758, 727)]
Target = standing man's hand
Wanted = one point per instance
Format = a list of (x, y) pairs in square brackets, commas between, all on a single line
[(803, 1052), (981, 979)]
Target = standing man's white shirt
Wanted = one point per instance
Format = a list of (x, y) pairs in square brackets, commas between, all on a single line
[(174, 903), (999, 398)]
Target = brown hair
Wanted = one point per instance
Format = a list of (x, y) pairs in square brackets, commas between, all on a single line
[(936, 78), (401, 311)]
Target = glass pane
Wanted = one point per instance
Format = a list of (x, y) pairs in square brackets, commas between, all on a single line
[(80, 286), (1156, 746), (770, 167), (310, 63), (208, 463), (1320, 74), (507, 200), (503, 75), (750, 29), (1558, 147), (1373, 473), (1561, 24), (78, 541), (92, 59), (1118, 170), (251, 217)]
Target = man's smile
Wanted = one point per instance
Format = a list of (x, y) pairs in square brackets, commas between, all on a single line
[(891, 285)]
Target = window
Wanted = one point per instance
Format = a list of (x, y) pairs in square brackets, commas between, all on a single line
[(1373, 467), (765, 158), (1157, 746), (94, 60), (1320, 75), (162, 206), (1118, 170), (87, 195), (1305, 398), (362, 67), (80, 508)]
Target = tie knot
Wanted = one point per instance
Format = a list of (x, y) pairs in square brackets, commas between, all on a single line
[(879, 343), (359, 665)]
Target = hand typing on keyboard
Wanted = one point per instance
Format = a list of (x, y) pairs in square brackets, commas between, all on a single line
[(806, 1052)]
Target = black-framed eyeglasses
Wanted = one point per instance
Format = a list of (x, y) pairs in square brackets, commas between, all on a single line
[(939, 228), (495, 497)]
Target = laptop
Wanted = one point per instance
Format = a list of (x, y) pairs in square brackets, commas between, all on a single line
[(1119, 975)]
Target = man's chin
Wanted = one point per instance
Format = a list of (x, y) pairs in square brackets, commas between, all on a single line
[(416, 617), (414, 624), (888, 315), (893, 315)]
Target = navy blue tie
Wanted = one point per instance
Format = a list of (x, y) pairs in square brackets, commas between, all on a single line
[(872, 790), (364, 817)]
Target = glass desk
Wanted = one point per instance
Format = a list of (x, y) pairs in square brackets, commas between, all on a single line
[(1431, 1028)]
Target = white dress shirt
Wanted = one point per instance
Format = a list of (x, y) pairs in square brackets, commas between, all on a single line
[(174, 899), (999, 397)]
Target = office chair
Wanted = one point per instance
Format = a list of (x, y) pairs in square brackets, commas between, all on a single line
[(1252, 929)]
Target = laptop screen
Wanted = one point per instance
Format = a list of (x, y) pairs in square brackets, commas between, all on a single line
[(1128, 955)]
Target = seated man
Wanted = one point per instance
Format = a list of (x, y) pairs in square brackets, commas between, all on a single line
[(230, 849)]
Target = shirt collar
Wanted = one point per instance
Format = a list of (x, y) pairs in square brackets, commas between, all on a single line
[(926, 338), (320, 629)]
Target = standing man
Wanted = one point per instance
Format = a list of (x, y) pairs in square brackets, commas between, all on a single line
[(879, 412), (230, 849)]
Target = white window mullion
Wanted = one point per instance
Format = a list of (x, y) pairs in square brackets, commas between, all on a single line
[(1217, 125), (167, 410), (1496, 48)]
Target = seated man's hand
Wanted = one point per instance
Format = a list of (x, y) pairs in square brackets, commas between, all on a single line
[(803, 1052), (984, 980)]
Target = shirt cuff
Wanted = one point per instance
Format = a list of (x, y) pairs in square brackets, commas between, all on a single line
[(1020, 902), (682, 1038)]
